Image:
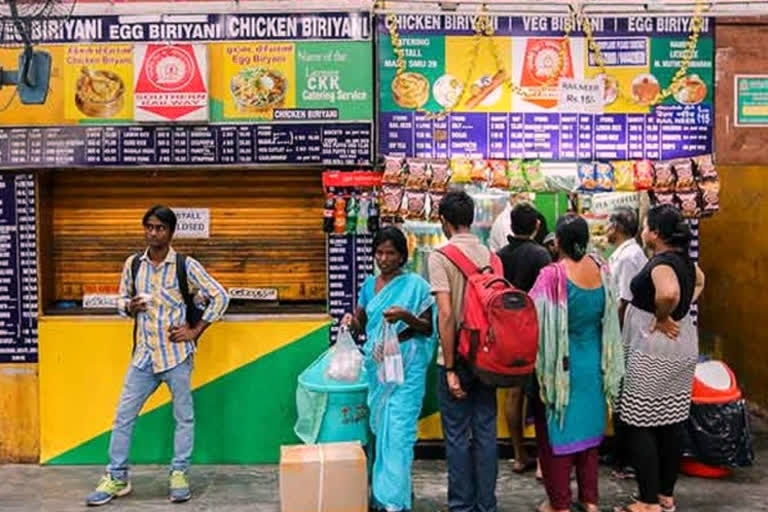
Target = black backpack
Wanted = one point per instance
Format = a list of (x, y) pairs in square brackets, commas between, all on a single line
[(194, 314)]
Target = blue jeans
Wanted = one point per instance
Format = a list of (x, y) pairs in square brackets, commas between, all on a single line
[(469, 430), (139, 384)]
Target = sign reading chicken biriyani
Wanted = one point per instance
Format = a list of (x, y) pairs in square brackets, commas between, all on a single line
[(499, 97), (210, 89)]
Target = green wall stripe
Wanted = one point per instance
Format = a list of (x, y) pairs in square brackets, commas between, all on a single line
[(242, 417)]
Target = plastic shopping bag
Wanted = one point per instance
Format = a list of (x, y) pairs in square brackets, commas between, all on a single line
[(388, 356), (346, 360)]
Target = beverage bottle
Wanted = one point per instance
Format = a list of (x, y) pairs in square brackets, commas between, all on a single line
[(352, 215), (328, 214), (340, 216), (362, 215), (373, 215)]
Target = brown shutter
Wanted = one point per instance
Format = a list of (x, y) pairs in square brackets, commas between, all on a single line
[(265, 226)]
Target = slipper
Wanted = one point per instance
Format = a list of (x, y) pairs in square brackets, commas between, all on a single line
[(673, 508), (529, 466)]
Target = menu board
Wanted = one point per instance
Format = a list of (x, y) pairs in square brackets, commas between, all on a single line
[(640, 56), (18, 269), (69, 146), (350, 262), (275, 89)]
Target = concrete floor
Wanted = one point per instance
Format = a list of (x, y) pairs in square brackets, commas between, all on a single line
[(27, 488)]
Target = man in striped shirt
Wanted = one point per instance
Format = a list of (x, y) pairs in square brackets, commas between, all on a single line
[(164, 346)]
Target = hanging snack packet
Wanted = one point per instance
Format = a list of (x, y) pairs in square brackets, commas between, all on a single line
[(534, 176), (689, 204), (587, 177), (516, 176), (434, 205), (705, 167), (684, 172), (417, 174), (415, 207), (643, 175), (479, 171), (393, 169), (604, 176), (392, 198), (441, 175), (561, 177), (661, 198), (624, 176), (499, 174), (461, 169), (710, 196), (664, 177)]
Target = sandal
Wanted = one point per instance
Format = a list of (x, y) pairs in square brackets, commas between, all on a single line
[(673, 508)]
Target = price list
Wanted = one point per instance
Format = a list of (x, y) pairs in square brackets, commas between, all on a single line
[(74, 146), (18, 269), (669, 132), (350, 262)]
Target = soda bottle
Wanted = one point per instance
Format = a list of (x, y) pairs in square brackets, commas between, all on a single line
[(328, 214), (373, 215), (352, 214), (340, 216), (362, 215)]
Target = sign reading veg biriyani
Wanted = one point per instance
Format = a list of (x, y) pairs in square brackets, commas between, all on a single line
[(229, 89), (638, 59)]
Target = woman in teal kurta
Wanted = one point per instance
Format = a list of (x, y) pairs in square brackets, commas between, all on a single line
[(579, 366), (402, 300)]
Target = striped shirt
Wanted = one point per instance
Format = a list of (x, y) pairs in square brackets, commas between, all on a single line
[(167, 308)]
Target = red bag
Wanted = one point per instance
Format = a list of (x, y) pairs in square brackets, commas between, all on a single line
[(499, 331)]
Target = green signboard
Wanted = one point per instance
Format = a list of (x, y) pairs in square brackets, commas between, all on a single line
[(751, 100)]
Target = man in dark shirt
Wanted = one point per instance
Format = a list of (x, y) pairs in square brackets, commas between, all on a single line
[(523, 259)]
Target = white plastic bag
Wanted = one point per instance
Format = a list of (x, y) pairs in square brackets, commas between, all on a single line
[(388, 356), (346, 360)]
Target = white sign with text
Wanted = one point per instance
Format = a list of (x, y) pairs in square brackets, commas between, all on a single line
[(193, 222), (582, 96)]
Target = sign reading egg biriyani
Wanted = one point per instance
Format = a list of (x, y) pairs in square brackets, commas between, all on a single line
[(447, 69)]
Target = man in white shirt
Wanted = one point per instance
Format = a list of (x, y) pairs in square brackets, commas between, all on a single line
[(628, 259), (626, 262), (502, 226), (501, 229)]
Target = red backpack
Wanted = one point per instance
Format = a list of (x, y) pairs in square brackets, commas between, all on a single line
[(499, 331)]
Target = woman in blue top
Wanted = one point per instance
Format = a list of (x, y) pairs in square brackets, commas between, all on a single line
[(402, 299)]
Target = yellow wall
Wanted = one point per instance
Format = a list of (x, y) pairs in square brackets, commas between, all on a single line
[(83, 361), (19, 417)]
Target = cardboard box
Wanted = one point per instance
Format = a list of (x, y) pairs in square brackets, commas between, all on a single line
[(328, 477)]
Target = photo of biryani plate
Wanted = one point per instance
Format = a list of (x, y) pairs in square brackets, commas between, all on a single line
[(692, 92), (99, 93), (256, 90), (447, 91), (645, 88), (410, 90)]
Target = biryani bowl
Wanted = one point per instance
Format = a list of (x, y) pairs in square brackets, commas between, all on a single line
[(99, 93), (410, 90), (258, 90)]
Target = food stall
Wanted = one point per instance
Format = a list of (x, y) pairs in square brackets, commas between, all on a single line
[(228, 116), (598, 110)]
